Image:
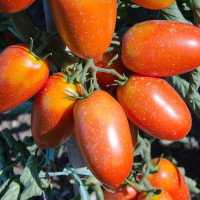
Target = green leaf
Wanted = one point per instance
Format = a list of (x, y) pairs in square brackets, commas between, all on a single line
[(16, 146), (26, 107), (196, 11), (13, 191), (30, 179), (192, 184), (173, 13), (5, 186)]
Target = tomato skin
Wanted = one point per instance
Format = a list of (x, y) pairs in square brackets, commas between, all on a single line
[(86, 27), (103, 137), (170, 179), (155, 107), (13, 6), (52, 113), (161, 48), (22, 75), (154, 4), (105, 79), (127, 193), (162, 196)]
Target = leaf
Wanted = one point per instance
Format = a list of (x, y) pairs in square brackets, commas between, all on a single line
[(16, 146), (13, 191), (194, 83), (26, 107), (5, 186), (30, 179), (196, 11), (80, 171), (173, 13), (192, 184)]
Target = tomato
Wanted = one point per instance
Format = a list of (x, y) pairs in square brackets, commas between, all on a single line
[(161, 48), (127, 193), (13, 6), (21, 76), (103, 137), (170, 179), (86, 26), (154, 4), (105, 79), (155, 107), (134, 133), (52, 113), (162, 196)]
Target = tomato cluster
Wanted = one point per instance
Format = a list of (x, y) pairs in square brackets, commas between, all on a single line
[(105, 136)]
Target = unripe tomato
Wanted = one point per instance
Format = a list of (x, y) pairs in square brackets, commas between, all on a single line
[(128, 192), (86, 26), (13, 6), (161, 48), (170, 179), (52, 113), (155, 107), (105, 79), (154, 4), (103, 137), (21, 76), (162, 196)]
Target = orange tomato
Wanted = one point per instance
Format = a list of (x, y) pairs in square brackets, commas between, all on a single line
[(86, 26)]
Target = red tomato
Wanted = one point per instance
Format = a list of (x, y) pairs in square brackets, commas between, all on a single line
[(155, 107), (22, 75), (127, 193), (13, 6), (86, 27), (105, 79), (154, 4), (161, 48), (103, 136), (162, 196), (52, 113), (170, 179)]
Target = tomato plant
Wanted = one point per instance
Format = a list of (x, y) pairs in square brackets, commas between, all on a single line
[(162, 196), (52, 112), (102, 61), (13, 6), (86, 27), (155, 107), (22, 75), (154, 4), (121, 193), (103, 136), (170, 179), (143, 53)]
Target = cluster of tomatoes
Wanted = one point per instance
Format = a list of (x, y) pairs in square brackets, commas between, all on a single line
[(152, 49)]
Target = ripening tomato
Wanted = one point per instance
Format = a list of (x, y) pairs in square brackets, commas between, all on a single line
[(155, 107), (105, 79), (161, 48), (13, 6), (170, 179), (128, 192), (86, 27), (162, 196), (52, 113), (103, 137), (21, 76), (154, 4)]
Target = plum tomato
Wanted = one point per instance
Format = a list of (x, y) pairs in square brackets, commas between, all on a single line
[(162, 196), (154, 4), (105, 79), (52, 113), (21, 76), (86, 26), (170, 179), (13, 6), (161, 48), (103, 136), (155, 107), (121, 193)]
